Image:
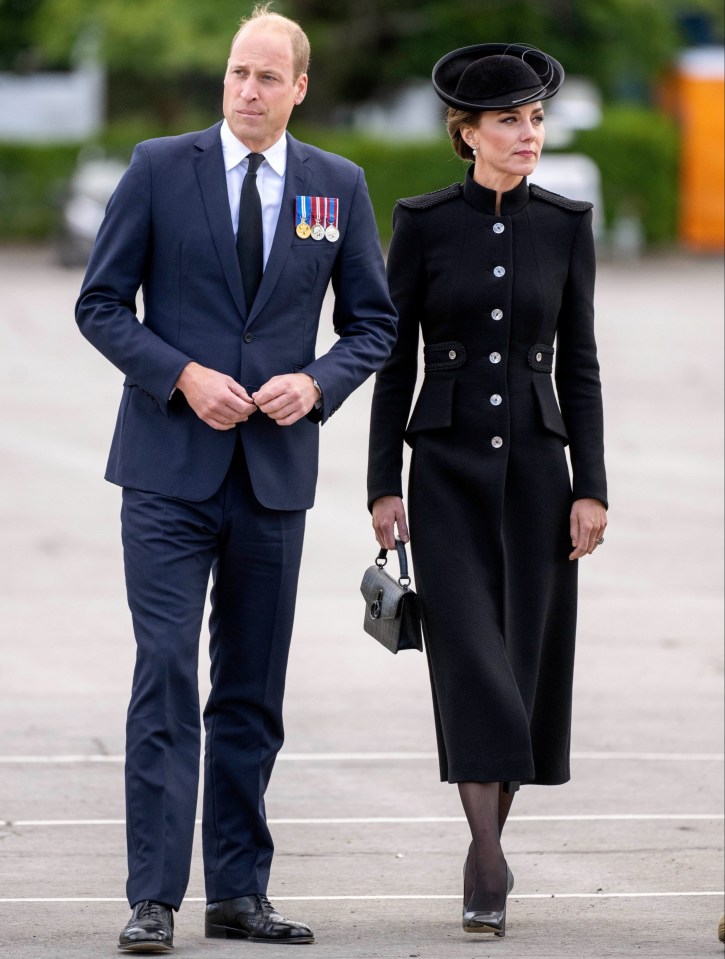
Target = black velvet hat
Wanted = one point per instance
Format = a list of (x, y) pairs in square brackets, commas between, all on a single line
[(496, 76)]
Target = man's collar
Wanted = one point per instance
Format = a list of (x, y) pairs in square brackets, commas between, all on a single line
[(235, 151)]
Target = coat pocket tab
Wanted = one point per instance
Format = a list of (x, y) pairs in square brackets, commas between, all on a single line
[(444, 356)]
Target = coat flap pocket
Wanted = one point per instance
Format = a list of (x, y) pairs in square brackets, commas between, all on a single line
[(550, 412), (434, 407)]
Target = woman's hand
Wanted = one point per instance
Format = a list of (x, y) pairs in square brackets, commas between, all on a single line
[(389, 513), (587, 523)]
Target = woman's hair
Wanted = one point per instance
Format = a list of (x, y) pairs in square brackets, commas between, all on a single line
[(455, 119), (298, 38)]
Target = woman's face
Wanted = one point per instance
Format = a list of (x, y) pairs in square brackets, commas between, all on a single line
[(508, 144)]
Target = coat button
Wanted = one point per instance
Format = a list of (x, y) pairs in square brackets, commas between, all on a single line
[(495, 357), (496, 314), (538, 357), (248, 337), (497, 442), (452, 354), (498, 228), (499, 271), (495, 400)]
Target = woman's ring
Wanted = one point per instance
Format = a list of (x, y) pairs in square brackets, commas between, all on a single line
[(600, 541)]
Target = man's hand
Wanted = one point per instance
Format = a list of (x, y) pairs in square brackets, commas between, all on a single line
[(389, 513), (587, 523), (216, 398), (287, 398)]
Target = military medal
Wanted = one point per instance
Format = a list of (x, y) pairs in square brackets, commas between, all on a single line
[(303, 227), (331, 231), (318, 230)]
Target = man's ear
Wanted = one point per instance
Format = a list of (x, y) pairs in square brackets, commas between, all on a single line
[(301, 88)]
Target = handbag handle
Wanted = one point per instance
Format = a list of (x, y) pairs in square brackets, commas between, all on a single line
[(382, 558)]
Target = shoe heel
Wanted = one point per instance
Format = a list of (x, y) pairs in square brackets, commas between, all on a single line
[(213, 931), (502, 932)]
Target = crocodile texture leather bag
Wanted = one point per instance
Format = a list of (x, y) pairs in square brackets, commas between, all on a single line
[(391, 606)]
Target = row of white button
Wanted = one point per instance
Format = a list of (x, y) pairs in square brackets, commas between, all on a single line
[(499, 271)]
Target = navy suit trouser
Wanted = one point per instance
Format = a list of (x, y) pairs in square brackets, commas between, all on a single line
[(171, 547)]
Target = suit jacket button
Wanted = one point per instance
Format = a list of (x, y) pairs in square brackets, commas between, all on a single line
[(497, 442), (452, 354), (248, 337), (538, 357)]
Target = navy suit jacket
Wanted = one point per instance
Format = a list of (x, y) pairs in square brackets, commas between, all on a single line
[(168, 230)]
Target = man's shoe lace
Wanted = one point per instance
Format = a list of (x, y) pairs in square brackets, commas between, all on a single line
[(152, 910)]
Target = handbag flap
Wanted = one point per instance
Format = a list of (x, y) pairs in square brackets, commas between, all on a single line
[(381, 592)]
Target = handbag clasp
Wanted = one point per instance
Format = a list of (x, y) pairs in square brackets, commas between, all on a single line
[(377, 606)]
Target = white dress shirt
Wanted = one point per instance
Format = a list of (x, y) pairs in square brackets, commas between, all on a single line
[(270, 181)]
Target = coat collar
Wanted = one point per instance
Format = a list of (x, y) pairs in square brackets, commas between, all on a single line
[(211, 175), (484, 200)]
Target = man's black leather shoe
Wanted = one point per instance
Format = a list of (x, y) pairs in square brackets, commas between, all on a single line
[(150, 928), (253, 918)]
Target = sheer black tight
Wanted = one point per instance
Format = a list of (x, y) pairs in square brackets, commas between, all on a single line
[(486, 806)]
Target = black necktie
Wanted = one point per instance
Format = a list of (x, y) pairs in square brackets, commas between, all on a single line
[(249, 231)]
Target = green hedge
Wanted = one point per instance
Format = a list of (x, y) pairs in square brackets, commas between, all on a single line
[(635, 149), (32, 179)]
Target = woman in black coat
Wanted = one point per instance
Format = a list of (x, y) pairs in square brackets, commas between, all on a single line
[(493, 272)]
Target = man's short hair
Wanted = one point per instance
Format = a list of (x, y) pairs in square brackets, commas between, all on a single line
[(298, 37)]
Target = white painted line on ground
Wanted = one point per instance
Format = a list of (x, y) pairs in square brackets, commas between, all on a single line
[(375, 757), (532, 895), (652, 757), (401, 820)]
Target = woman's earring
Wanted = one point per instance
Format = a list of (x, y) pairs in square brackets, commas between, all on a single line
[(474, 150)]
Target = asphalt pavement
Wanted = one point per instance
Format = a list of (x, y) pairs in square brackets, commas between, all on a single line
[(626, 860)]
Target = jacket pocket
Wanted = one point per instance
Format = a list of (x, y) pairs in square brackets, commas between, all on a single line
[(132, 386), (550, 413), (434, 406)]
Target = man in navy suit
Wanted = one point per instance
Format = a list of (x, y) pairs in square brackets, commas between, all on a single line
[(216, 450)]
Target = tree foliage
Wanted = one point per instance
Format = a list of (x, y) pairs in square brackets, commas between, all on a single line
[(368, 50), (17, 33)]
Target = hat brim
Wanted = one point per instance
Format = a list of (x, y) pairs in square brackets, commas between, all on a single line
[(447, 72)]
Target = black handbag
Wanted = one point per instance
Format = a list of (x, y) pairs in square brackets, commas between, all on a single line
[(391, 606)]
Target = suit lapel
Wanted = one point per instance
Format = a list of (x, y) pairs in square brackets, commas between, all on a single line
[(296, 177), (213, 184)]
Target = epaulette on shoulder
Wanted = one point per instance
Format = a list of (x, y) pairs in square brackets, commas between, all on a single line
[(579, 206), (426, 200)]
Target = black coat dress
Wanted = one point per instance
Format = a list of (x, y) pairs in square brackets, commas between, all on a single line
[(489, 486)]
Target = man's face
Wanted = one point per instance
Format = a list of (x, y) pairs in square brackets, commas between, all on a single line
[(260, 89)]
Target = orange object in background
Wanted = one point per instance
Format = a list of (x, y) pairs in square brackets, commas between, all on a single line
[(700, 99)]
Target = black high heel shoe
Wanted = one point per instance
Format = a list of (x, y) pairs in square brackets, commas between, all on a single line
[(509, 879), (489, 920)]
